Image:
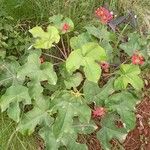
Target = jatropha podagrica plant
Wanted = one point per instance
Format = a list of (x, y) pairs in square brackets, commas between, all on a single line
[(61, 88)]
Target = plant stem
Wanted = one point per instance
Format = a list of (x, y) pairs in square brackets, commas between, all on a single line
[(68, 41), (60, 51), (62, 42), (54, 57)]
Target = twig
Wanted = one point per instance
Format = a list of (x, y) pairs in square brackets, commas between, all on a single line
[(54, 57), (68, 49), (62, 42), (60, 51)]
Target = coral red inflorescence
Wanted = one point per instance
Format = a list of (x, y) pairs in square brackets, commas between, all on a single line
[(104, 15), (98, 112), (137, 59), (66, 27)]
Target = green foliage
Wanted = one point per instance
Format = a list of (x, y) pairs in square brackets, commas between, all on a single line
[(104, 37), (87, 57), (12, 41), (11, 99), (118, 102), (109, 130), (135, 42), (8, 72), (98, 95), (129, 75), (54, 99), (58, 21), (44, 39), (77, 42)]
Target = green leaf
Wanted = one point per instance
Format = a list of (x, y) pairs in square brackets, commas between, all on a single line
[(93, 93), (8, 72), (109, 130), (35, 89), (124, 104), (58, 21), (129, 75), (37, 116), (14, 111), (84, 128), (12, 97), (68, 106), (74, 80), (94, 31), (105, 37), (47, 135), (70, 23), (86, 57), (37, 72), (63, 122), (78, 41), (44, 39), (74, 61), (92, 70), (135, 42), (2, 53)]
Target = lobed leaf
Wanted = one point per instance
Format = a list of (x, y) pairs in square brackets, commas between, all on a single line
[(44, 39), (129, 75)]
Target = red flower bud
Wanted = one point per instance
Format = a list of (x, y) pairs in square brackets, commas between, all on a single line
[(65, 27), (137, 59), (98, 112)]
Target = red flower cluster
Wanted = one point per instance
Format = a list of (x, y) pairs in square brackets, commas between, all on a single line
[(104, 15), (137, 59), (65, 27), (98, 112), (105, 66)]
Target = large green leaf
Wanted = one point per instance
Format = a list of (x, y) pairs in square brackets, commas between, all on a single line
[(8, 72), (129, 75), (78, 41), (104, 37), (52, 144), (70, 80), (68, 106), (37, 116), (74, 80), (87, 57), (124, 103), (135, 42), (50, 141), (109, 131), (93, 93), (37, 72), (44, 39), (101, 33), (12, 97)]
